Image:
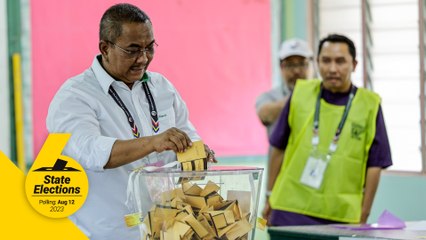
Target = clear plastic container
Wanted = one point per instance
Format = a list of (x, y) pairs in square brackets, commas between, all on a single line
[(223, 202)]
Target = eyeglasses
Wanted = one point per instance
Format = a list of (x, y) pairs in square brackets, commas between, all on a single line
[(292, 66), (137, 53)]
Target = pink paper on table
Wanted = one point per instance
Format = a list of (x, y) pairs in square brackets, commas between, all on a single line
[(386, 221)]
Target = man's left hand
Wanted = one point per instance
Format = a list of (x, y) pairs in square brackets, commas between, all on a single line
[(210, 154)]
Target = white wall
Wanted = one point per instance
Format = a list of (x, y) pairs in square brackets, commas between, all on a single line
[(27, 79), (4, 83)]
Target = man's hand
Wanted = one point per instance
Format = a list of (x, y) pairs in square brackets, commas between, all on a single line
[(172, 139), (270, 112), (127, 151), (266, 211), (210, 154)]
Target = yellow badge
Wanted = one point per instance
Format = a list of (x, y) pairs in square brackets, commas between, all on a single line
[(56, 185), (261, 223)]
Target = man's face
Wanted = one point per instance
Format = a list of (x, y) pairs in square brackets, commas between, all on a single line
[(336, 66), (124, 59), (293, 68)]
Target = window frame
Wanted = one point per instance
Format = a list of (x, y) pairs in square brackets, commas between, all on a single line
[(367, 42)]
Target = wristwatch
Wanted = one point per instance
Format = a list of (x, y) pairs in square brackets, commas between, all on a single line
[(268, 193)]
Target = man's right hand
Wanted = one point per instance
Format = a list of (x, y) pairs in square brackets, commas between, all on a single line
[(266, 211), (268, 113), (172, 139)]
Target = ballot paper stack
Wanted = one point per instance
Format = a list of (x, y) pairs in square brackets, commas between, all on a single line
[(192, 212), (215, 203)]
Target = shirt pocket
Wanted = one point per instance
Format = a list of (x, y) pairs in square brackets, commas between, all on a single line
[(166, 118)]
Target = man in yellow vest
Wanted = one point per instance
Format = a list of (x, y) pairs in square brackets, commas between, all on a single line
[(329, 146)]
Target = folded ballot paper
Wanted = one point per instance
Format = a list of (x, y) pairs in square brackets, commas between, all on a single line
[(184, 200), (194, 158), (192, 212), (386, 221)]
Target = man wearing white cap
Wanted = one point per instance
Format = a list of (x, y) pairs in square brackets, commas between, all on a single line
[(294, 57)]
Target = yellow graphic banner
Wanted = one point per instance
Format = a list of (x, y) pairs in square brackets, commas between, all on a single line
[(56, 185), (18, 219)]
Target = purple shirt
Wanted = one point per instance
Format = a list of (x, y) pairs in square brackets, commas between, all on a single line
[(378, 156)]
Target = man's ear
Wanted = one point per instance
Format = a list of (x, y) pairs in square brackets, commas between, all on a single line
[(354, 64), (104, 48)]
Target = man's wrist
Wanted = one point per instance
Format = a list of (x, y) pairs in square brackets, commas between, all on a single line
[(268, 194)]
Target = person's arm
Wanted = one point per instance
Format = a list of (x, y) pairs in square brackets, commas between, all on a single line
[(278, 141), (127, 151), (371, 183), (177, 138), (268, 113), (274, 165), (97, 152), (379, 157)]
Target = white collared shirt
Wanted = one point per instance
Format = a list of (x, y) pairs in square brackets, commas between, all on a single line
[(84, 108)]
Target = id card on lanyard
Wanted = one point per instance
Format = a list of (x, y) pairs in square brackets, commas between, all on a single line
[(314, 170), (316, 165)]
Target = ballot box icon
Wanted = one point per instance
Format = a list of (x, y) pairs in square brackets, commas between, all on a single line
[(59, 166)]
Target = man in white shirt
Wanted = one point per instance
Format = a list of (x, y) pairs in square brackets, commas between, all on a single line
[(120, 117)]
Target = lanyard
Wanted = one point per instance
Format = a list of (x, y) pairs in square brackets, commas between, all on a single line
[(152, 109), (315, 138), (120, 103)]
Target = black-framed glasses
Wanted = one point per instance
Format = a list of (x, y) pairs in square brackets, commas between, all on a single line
[(137, 53), (292, 66)]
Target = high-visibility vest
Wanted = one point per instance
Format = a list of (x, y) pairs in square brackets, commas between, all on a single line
[(339, 198)]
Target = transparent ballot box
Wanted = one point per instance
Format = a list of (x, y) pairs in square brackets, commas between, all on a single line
[(218, 203)]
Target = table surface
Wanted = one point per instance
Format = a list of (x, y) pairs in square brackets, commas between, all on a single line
[(330, 232)]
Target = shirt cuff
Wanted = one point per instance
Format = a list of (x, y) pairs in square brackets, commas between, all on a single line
[(103, 152)]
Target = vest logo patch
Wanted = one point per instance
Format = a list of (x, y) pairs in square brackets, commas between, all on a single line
[(357, 130)]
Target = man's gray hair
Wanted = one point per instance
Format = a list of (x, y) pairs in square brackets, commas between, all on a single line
[(114, 17)]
